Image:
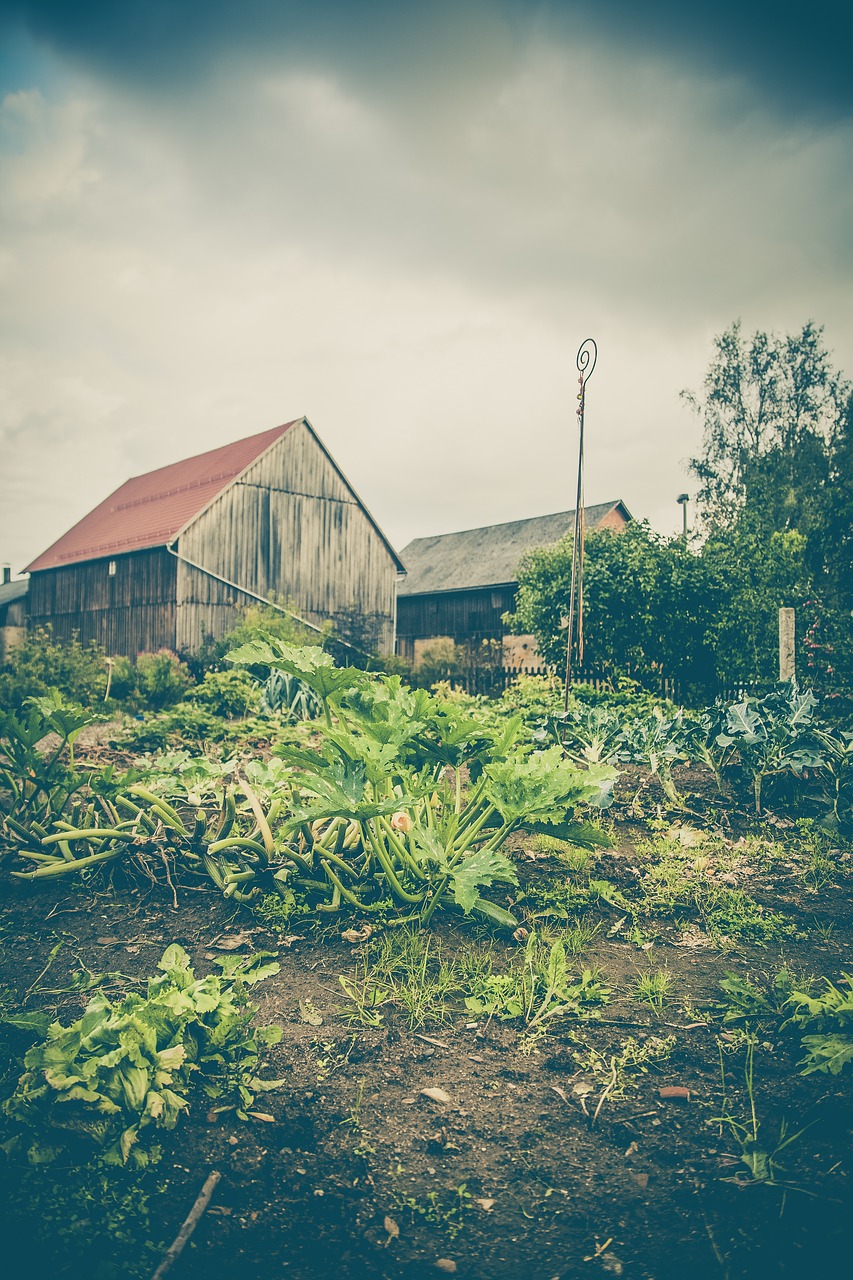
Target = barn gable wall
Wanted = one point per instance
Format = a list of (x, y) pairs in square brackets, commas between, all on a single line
[(289, 524), (128, 612)]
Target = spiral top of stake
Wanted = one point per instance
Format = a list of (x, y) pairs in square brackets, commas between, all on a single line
[(586, 358)]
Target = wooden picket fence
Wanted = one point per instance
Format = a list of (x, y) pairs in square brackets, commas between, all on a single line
[(491, 681)]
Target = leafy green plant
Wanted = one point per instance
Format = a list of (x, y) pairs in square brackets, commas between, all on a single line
[(229, 694), (589, 733), (385, 820), (38, 781), (366, 994), (658, 742), (772, 735), (376, 817), (125, 1069), (161, 679), (39, 663), (747, 1003), (827, 1019), (285, 695), (537, 990)]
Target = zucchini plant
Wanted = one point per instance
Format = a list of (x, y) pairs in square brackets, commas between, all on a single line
[(386, 820)]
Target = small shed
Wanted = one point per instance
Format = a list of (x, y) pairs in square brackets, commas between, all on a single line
[(171, 556), (13, 612), (459, 585)]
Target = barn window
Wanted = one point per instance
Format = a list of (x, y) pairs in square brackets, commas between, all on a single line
[(112, 569)]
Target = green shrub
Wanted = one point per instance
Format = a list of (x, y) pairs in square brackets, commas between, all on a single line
[(226, 693), (183, 724), (122, 682), (161, 679), (39, 663)]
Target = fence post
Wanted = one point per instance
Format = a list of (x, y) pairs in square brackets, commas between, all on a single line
[(787, 667)]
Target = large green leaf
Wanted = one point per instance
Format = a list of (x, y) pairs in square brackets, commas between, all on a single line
[(481, 868), (543, 787)]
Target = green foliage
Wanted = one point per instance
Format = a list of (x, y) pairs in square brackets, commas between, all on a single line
[(538, 989), (161, 679), (184, 724), (89, 1219), (287, 696), (659, 743), (39, 783), (772, 735), (589, 733), (228, 694), (827, 1019), (124, 1070), (39, 663), (375, 817), (647, 607), (771, 410), (776, 498), (751, 1004)]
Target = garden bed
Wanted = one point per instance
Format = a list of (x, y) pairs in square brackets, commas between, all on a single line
[(525, 1164)]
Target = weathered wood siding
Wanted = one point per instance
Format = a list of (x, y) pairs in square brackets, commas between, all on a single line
[(468, 617), (290, 525), (129, 612)]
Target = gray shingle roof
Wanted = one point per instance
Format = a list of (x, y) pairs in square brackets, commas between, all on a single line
[(16, 590), (486, 557)]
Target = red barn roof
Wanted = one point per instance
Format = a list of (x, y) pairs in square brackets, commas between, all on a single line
[(150, 510)]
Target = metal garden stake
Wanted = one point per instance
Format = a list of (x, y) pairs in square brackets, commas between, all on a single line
[(586, 358)]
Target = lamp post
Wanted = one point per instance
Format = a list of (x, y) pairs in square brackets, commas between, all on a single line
[(683, 499)]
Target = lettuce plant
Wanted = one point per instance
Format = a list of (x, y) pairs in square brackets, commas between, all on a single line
[(126, 1069)]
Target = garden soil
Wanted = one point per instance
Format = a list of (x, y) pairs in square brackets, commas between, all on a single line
[(507, 1172)]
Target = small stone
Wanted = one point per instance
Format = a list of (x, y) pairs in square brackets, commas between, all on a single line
[(445, 1264)]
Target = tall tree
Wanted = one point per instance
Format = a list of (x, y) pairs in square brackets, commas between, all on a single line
[(771, 408)]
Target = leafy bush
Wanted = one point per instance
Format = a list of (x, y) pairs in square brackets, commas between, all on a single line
[(126, 1068), (39, 663), (226, 693), (161, 679)]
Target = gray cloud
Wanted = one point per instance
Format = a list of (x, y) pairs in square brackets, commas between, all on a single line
[(799, 58), (410, 258)]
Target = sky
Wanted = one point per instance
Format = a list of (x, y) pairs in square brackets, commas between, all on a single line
[(401, 220)]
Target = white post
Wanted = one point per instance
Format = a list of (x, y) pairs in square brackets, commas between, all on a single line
[(787, 670)]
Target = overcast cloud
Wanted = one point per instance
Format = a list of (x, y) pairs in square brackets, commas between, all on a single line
[(401, 221)]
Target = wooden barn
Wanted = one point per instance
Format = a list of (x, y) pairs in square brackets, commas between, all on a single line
[(459, 585), (172, 555)]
